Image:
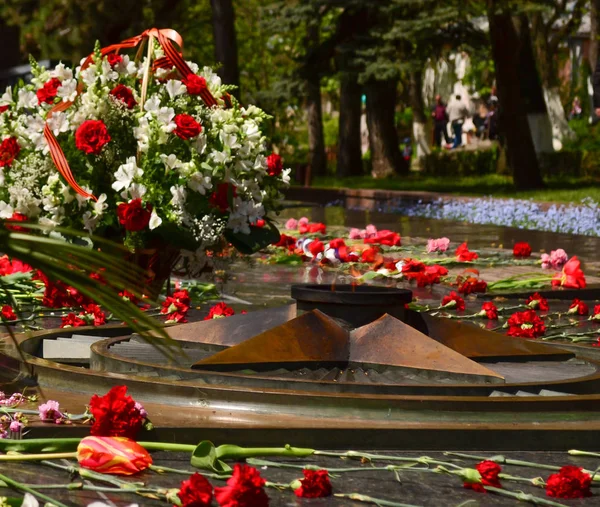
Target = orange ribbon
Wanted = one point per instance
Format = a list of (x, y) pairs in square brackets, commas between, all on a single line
[(172, 58)]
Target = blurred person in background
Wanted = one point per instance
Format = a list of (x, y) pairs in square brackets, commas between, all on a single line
[(440, 122), (457, 114)]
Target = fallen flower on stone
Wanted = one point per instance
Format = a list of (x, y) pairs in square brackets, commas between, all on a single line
[(484, 474), (196, 492), (175, 307), (244, 488), (525, 324), (219, 311), (312, 228), (522, 249), (472, 285), (8, 313), (489, 310), (316, 484), (116, 414), (596, 314), (463, 254), (453, 300), (384, 237), (537, 301), (572, 276), (578, 307), (50, 412), (113, 455), (556, 260), (570, 482), (72, 320), (437, 245)]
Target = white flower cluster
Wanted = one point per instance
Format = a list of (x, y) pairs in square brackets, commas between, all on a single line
[(172, 160)]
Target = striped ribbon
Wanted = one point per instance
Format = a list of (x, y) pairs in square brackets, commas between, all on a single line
[(172, 58)]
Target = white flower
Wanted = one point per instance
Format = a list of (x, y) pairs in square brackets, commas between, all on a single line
[(27, 99), (201, 143), (7, 97), (238, 223), (229, 140), (90, 221), (152, 105), (171, 161), (155, 221), (108, 74), (89, 75), (1, 176), (220, 157), (200, 183), (285, 176), (100, 205), (68, 90), (61, 72), (29, 501), (126, 66), (58, 122), (175, 88), (179, 196), (252, 131), (135, 191), (81, 200), (164, 116), (6, 210), (125, 174)]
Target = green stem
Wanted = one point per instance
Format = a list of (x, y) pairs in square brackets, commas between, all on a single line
[(235, 452), (371, 457), (27, 489), (39, 445), (38, 457), (96, 476), (523, 497), (369, 499), (163, 446), (159, 469)]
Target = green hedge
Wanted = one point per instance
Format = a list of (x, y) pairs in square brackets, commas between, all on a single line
[(461, 163)]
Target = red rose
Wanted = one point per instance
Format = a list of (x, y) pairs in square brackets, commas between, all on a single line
[(537, 301), (196, 492), (114, 59), (385, 237), (47, 93), (315, 484), (124, 94), (464, 255), (220, 198), (17, 217), (490, 310), (525, 324), (116, 414), (9, 149), (488, 471), (453, 300), (72, 320), (91, 136), (471, 285), (8, 313), (195, 84), (572, 276), (522, 249), (219, 311), (570, 482), (3, 109), (316, 247), (578, 307), (244, 489), (187, 127), (133, 215), (274, 165)]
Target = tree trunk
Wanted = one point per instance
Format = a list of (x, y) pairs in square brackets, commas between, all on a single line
[(383, 137), (415, 92), (349, 159), (225, 42), (514, 124), (594, 29)]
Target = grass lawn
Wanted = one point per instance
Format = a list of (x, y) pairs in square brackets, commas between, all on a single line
[(557, 190)]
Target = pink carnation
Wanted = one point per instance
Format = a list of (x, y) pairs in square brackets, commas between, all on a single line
[(437, 245), (354, 234), (556, 260), (50, 411), (369, 232), (16, 426), (291, 224), (303, 221)]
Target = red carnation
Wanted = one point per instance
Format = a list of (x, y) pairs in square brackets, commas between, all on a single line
[(116, 414), (47, 93), (17, 217), (175, 307), (9, 149), (124, 94), (572, 276), (244, 489), (596, 314), (537, 301), (522, 249), (72, 320), (195, 84), (525, 324), (384, 237), (369, 255), (114, 59), (286, 241), (195, 492), (489, 310), (312, 228), (8, 313), (133, 215), (464, 255), (488, 471), (274, 165), (316, 247), (94, 314), (471, 285), (315, 484), (219, 311), (187, 127), (91, 136), (570, 482), (220, 198), (578, 307), (453, 300)]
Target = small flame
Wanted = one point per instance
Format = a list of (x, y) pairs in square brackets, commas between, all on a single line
[(353, 284)]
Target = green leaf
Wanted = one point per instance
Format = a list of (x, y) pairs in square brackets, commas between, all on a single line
[(205, 458), (259, 237)]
